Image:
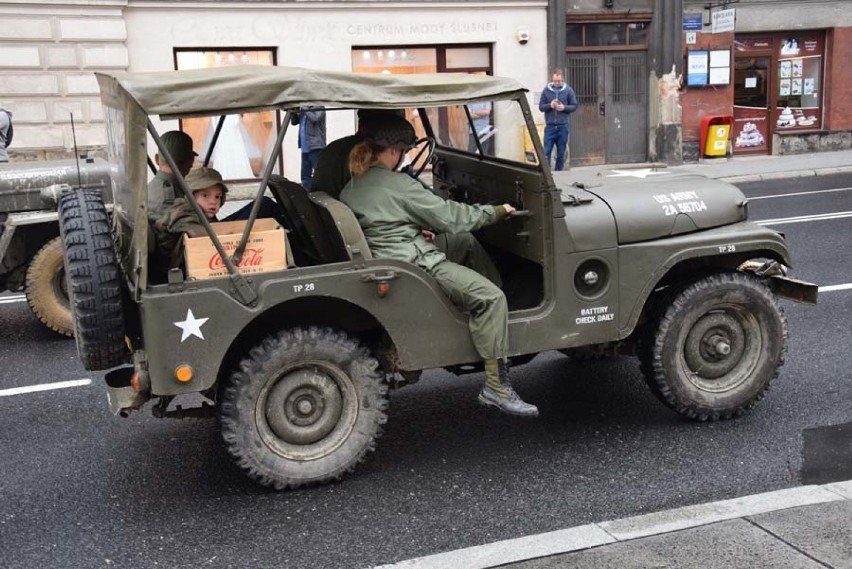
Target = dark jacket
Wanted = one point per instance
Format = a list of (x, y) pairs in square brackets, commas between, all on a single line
[(314, 118), (170, 227), (565, 95)]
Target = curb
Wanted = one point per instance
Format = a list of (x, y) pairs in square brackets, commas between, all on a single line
[(786, 175), (626, 529)]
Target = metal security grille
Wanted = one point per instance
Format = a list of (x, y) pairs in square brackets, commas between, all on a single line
[(587, 144), (610, 124), (627, 116)]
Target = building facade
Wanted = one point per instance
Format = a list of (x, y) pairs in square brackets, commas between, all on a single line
[(647, 73), (776, 68), (50, 49)]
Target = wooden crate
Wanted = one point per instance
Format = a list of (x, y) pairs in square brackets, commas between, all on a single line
[(265, 250)]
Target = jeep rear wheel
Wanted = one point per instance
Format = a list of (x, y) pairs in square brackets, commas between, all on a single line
[(717, 347), (46, 291), (94, 280), (304, 407)]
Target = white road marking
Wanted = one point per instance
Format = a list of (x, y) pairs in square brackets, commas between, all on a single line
[(638, 173), (801, 218), (799, 194), (603, 533), (830, 288), (44, 387)]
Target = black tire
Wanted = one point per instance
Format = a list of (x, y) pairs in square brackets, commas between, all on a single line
[(305, 407), (45, 288), (717, 347), (94, 280)]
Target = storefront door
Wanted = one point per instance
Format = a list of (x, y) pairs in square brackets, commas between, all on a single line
[(610, 124), (752, 105)]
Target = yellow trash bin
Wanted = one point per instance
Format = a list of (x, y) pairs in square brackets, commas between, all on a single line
[(715, 133)]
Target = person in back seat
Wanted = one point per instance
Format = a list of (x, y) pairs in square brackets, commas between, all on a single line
[(163, 187), (393, 209), (180, 218)]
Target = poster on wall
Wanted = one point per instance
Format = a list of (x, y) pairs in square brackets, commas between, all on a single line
[(750, 130), (708, 67), (697, 68)]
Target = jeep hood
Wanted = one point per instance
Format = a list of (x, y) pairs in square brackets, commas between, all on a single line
[(652, 203)]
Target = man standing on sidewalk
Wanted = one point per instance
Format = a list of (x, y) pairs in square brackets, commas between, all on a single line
[(557, 102)]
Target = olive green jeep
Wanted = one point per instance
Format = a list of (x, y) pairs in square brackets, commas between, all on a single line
[(297, 362)]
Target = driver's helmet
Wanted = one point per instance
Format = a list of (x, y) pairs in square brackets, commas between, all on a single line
[(392, 131)]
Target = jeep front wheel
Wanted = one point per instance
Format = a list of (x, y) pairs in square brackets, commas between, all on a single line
[(717, 347), (46, 292), (304, 407)]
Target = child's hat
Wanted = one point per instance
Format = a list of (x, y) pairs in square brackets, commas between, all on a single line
[(202, 178)]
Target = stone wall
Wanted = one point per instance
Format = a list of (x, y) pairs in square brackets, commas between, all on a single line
[(48, 53)]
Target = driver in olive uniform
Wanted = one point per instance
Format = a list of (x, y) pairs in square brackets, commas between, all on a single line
[(393, 209)]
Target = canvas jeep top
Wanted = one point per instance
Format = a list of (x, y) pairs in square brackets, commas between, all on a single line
[(297, 361)]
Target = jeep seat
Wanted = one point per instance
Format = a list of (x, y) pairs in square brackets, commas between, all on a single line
[(302, 217), (342, 227)]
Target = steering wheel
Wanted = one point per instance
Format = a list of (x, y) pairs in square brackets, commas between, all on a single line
[(424, 146)]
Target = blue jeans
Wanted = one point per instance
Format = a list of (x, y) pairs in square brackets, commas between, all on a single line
[(309, 162), (556, 134)]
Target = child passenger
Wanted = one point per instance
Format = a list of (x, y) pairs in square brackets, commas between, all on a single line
[(180, 218)]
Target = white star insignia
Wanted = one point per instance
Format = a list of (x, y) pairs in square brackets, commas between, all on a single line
[(639, 173), (191, 326)]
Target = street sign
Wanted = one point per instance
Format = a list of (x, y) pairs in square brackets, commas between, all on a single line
[(723, 21), (692, 22)]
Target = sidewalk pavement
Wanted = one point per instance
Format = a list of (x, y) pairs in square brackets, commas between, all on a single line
[(748, 168), (802, 527)]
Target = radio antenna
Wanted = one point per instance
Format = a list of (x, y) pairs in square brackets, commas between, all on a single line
[(76, 152)]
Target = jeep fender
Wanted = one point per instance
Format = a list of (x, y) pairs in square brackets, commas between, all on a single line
[(723, 248)]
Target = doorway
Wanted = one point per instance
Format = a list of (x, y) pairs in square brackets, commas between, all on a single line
[(610, 125), (752, 80)]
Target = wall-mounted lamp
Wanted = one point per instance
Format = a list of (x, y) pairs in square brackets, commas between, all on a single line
[(608, 3)]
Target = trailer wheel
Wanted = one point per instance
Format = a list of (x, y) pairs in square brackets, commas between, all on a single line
[(94, 280), (47, 293), (305, 407), (717, 347)]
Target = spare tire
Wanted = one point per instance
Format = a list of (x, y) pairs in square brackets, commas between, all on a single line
[(46, 291), (94, 280)]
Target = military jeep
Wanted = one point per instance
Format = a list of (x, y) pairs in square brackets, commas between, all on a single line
[(31, 258), (297, 362)]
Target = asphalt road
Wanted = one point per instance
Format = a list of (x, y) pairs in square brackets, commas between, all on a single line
[(81, 488)]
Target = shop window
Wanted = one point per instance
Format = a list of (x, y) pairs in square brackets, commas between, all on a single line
[(798, 82), (799, 67), (574, 35), (245, 140), (637, 33), (467, 58), (450, 124), (608, 34), (394, 60)]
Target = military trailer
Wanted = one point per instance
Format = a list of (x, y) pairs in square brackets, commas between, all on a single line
[(297, 362), (31, 257)]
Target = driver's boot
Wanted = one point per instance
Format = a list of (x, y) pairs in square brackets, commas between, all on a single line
[(497, 392)]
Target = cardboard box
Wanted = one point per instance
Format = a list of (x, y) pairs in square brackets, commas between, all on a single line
[(265, 250)]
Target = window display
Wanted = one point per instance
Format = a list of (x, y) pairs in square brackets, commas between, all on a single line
[(799, 71)]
